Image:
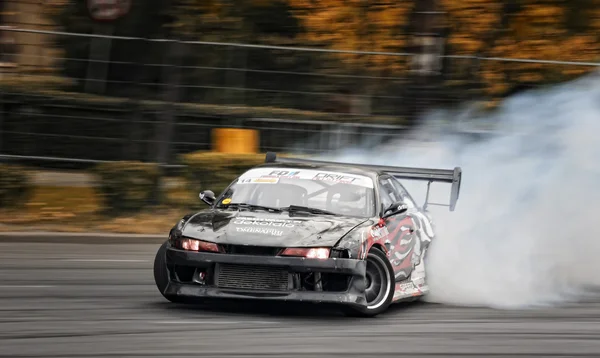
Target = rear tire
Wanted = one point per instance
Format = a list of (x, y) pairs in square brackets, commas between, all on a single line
[(380, 286), (161, 274)]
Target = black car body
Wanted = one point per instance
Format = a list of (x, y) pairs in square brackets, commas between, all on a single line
[(303, 230)]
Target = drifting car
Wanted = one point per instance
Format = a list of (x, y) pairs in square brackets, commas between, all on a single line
[(305, 230)]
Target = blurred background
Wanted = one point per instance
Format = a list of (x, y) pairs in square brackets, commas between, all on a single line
[(115, 114), (114, 111)]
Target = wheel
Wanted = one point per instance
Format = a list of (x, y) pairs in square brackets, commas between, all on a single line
[(379, 290), (161, 275)]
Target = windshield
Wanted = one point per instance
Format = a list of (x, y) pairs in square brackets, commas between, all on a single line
[(336, 192)]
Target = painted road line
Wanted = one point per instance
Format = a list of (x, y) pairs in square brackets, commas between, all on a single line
[(27, 286), (184, 322), (102, 260)]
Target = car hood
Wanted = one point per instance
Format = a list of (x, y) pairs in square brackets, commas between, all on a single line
[(268, 229)]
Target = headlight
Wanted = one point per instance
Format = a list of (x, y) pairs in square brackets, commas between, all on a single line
[(197, 245), (309, 253)]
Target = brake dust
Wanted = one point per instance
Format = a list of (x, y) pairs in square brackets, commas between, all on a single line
[(526, 230)]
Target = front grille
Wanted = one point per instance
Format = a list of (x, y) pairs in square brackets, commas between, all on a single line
[(251, 277)]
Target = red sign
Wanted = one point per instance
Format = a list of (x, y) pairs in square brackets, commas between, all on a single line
[(108, 10)]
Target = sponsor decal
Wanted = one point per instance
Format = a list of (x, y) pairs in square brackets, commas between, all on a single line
[(226, 201), (284, 174), (266, 222), (419, 282), (261, 180), (336, 178), (405, 289), (260, 230), (406, 286), (273, 175), (379, 232), (265, 180)]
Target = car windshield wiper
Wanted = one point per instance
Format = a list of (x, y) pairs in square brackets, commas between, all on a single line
[(296, 208), (252, 206)]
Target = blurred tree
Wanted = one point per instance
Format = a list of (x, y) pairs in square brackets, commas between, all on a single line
[(357, 25), (473, 27), (240, 75), (542, 30), (521, 29)]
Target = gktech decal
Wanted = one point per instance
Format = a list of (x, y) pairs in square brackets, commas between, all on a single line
[(266, 222)]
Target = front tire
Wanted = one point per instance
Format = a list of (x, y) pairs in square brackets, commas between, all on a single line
[(161, 274), (380, 286)]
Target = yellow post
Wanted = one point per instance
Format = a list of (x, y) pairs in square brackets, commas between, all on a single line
[(235, 140)]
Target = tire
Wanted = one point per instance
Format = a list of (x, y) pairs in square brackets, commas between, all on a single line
[(379, 272), (161, 274)]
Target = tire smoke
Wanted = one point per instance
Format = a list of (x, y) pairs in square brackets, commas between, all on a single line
[(525, 230)]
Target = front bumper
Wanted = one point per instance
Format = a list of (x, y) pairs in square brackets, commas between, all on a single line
[(334, 280)]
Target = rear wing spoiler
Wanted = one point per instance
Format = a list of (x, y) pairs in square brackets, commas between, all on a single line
[(451, 176)]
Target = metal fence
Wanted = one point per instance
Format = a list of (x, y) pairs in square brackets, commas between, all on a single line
[(77, 106), (70, 97)]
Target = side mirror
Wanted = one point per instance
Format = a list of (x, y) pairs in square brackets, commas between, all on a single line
[(208, 197), (395, 209)]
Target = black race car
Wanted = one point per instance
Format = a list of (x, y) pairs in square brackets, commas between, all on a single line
[(305, 230)]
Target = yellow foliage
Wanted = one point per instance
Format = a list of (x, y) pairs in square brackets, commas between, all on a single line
[(356, 26), (536, 29), (470, 22)]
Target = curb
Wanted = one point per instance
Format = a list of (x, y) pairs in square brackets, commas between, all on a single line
[(80, 238)]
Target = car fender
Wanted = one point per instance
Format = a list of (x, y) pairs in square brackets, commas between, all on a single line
[(359, 240)]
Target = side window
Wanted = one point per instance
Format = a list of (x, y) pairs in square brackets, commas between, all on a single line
[(387, 192), (405, 197)]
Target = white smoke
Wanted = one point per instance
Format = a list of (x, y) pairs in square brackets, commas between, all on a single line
[(526, 230)]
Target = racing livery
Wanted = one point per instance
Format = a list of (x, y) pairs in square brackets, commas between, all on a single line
[(305, 230)]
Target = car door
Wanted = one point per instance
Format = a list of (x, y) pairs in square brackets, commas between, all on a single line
[(423, 225), (402, 243)]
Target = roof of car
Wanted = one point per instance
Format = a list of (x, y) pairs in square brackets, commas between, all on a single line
[(341, 168)]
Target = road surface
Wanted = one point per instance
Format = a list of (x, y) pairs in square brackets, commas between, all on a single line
[(99, 300)]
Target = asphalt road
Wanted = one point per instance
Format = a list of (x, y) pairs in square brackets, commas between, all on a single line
[(72, 300)]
